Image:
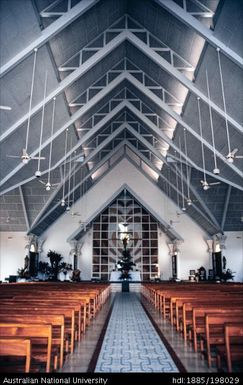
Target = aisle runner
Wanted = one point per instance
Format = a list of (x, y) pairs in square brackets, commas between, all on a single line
[(131, 344)]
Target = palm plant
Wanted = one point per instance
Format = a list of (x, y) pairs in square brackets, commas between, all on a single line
[(55, 259)]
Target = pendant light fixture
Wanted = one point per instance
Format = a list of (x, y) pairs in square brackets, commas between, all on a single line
[(64, 170), (25, 157), (30, 104), (232, 153), (69, 178), (177, 187), (204, 182), (38, 172), (182, 185), (48, 184), (188, 200), (224, 103), (216, 170)]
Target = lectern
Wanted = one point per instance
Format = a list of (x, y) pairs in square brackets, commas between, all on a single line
[(125, 286)]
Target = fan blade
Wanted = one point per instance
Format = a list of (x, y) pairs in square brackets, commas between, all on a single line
[(6, 108), (37, 158), (239, 156), (12, 156), (214, 183), (234, 151), (77, 158)]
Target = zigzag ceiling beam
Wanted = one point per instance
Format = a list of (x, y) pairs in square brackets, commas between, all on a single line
[(160, 133), (142, 140), (158, 155), (179, 119), (164, 225), (78, 185), (49, 32), (85, 162), (80, 143), (206, 33), (150, 164), (105, 120), (123, 144), (69, 80), (90, 104), (179, 76)]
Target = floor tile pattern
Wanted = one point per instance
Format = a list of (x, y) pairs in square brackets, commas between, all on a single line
[(131, 344)]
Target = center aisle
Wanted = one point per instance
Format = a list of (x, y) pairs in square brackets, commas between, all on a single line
[(131, 343)]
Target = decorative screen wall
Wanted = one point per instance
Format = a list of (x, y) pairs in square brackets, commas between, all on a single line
[(107, 233)]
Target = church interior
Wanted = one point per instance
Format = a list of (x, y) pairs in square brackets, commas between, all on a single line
[(121, 179)]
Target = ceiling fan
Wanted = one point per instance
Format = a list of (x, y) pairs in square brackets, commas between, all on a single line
[(189, 201), (8, 221), (231, 156), (25, 157), (48, 185), (179, 213), (206, 185), (171, 224), (75, 214)]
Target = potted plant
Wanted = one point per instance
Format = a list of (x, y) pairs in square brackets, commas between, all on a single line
[(55, 259), (64, 268), (44, 270), (23, 274), (227, 275)]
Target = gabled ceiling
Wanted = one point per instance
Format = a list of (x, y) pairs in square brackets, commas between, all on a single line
[(123, 79)]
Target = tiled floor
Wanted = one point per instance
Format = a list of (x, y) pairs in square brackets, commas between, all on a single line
[(131, 344), (79, 361)]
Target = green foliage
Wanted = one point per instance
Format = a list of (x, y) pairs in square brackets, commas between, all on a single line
[(226, 275), (23, 273), (65, 267), (55, 259), (125, 264), (44, 267)]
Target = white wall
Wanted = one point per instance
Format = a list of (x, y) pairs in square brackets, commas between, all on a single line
[(234, 253), (193, 251), (12, 253)]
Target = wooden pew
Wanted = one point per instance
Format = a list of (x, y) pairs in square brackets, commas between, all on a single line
[(76, 304), (232, 351), (186, 320), (57, 322), (198, 317), (214, 331), (70, 311), (40, 336), (15, 348)]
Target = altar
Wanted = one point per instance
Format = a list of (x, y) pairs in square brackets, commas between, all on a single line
[(135, 276)]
